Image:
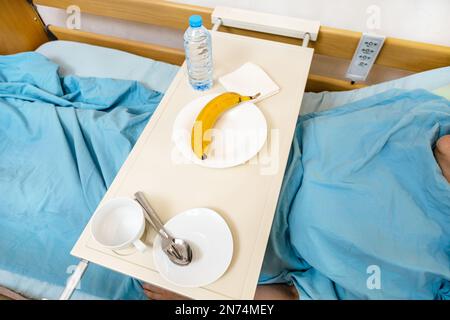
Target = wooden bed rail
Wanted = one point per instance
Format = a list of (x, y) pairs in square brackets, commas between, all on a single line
[(396, 53)]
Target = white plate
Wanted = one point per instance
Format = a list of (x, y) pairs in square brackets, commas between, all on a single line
[(212, 248), (237, 137)]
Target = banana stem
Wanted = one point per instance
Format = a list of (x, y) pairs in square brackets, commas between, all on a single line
[(255, 96)]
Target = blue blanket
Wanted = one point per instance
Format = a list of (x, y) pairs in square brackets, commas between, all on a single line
[(62, 141), (364, 211)]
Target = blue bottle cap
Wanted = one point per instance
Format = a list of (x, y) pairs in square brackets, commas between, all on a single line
[(195, 21)]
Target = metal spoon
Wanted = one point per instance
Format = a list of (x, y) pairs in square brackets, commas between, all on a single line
[(178, 250)]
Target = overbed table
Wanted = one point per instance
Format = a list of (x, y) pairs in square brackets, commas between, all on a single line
[(245, 196)]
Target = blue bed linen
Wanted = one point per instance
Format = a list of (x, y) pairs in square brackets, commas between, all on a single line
[(362, 189), (62, 141)]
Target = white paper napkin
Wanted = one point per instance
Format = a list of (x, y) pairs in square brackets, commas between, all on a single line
[(250, 79)]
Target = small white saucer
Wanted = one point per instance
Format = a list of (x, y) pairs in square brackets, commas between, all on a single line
[(212, 248), (236, 138)]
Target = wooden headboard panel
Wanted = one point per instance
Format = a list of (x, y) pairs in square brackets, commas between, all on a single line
[(20, 27)]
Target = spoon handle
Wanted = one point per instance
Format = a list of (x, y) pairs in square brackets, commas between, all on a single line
[(151, 215)]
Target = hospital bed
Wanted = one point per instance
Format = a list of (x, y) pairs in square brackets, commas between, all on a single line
[(71, 54)]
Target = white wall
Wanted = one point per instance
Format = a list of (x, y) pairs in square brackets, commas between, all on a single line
[(420, 20)]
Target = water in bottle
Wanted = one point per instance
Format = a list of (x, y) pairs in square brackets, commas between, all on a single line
[(197, 44)]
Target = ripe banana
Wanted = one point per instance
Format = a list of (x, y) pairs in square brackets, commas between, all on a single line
[(208, 117)]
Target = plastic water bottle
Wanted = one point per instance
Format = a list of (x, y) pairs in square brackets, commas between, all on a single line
[(197, 44)]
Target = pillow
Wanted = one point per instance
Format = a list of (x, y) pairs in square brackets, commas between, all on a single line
[(429, 80), (86, 60)]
